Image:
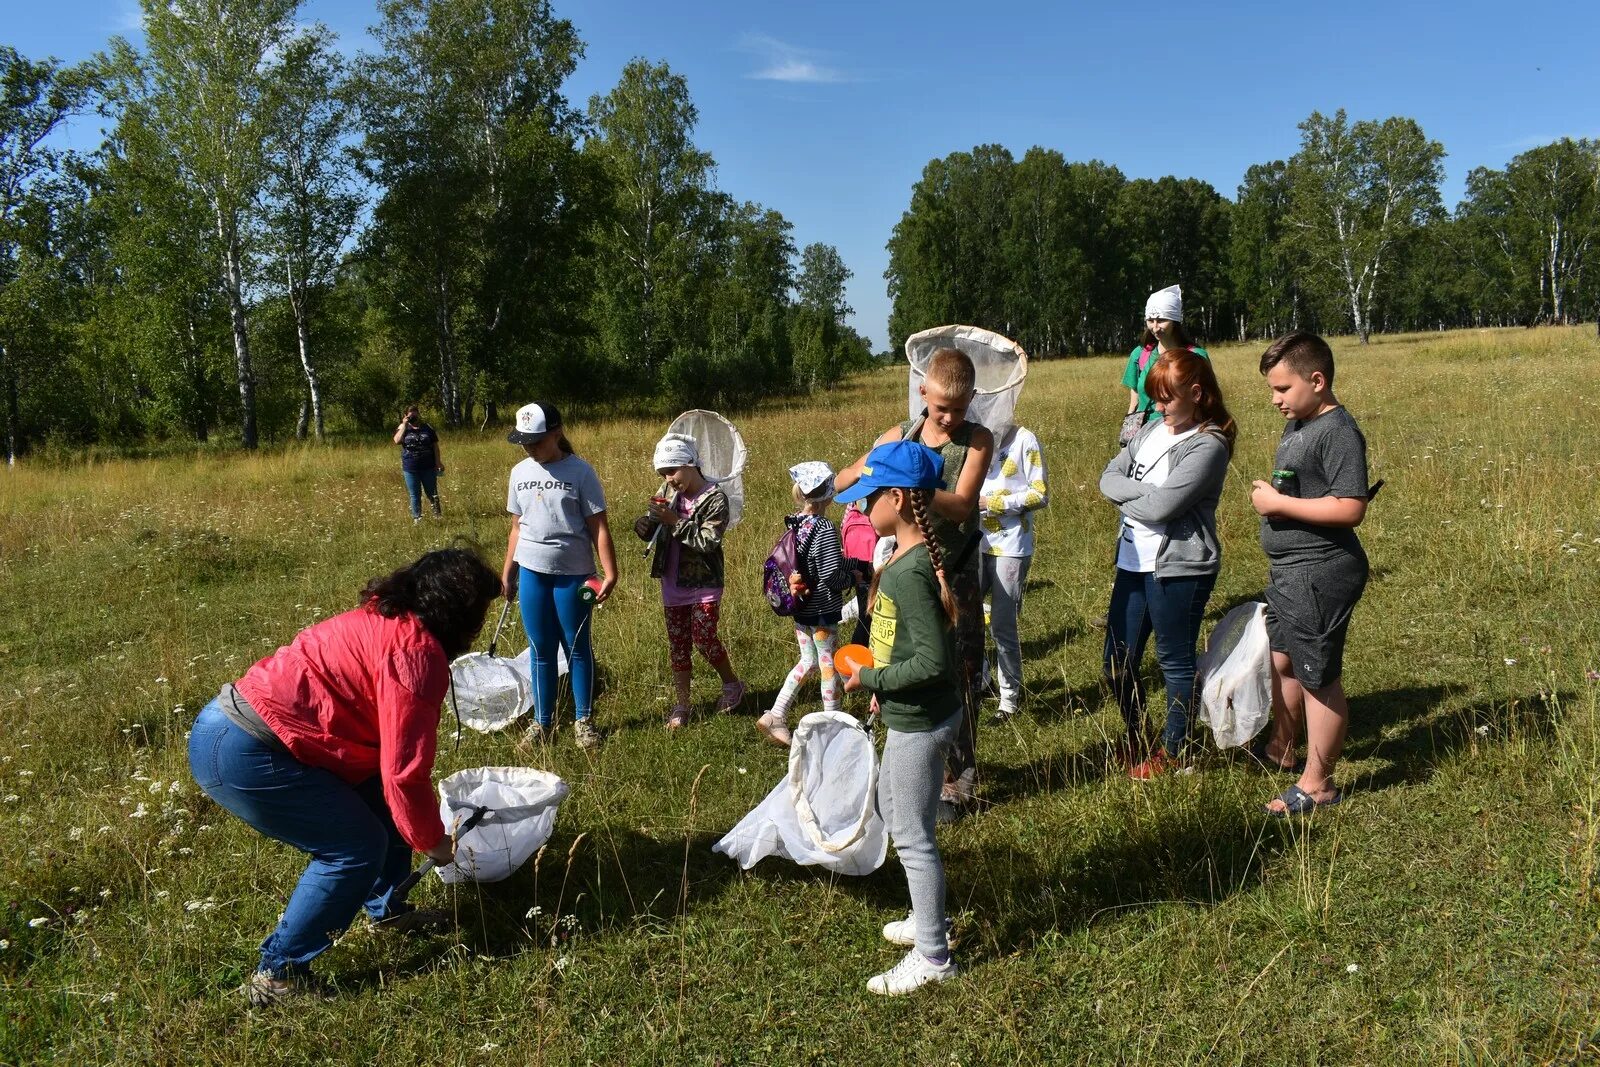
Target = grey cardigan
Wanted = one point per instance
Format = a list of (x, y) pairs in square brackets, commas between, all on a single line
[(1186, 502)]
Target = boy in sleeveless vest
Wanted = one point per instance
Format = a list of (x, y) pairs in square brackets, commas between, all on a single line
[(966, 449)]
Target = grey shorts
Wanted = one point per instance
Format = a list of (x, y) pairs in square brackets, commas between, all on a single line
[(1308, 614)]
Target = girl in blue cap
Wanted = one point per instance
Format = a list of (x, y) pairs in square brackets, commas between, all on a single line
[(914, 679)]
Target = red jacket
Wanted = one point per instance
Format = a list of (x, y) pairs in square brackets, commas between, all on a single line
[(358, 695)]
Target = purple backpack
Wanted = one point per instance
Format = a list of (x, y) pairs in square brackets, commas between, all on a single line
[(786, 557)]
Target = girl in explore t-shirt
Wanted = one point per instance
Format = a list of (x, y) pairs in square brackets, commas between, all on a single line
[(560, 524), (914, 678), (1166, 484), (688, 562), (820, 584)]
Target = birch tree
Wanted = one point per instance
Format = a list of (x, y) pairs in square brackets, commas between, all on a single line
[(658, 184), (207, 95), (311, 197), (1356, 191), (36, 97)]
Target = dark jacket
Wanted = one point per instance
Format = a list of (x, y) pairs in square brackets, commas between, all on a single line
[(699, 536)]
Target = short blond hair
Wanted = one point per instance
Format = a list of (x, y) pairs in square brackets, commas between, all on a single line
[(951, 371)]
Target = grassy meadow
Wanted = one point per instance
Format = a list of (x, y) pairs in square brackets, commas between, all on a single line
[(1445, 913)]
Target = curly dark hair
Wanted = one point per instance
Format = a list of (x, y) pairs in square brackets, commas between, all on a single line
[(449, 590)]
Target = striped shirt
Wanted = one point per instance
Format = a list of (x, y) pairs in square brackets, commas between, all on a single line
[(821, 568)]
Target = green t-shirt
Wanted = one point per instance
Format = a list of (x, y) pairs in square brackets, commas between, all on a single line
[(1133, 377), (912, 647)]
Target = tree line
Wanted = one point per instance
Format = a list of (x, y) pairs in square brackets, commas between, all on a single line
[(272, 234), (1349, 235)]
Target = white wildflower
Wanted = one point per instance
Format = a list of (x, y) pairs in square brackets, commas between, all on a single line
[(138, 813), (36, 923), (108, 998), (75, 834), (11, 798), (1352, 968), (1510, 662)]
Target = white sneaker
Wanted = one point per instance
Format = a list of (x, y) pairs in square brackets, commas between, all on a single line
[(904, 931), (912, 972), (774, 727)]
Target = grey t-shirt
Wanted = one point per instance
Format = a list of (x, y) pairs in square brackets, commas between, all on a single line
[(553, 503), (1329, 456)]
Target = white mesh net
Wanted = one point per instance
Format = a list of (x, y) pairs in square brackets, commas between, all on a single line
[(825, 810), (722, 454), (1000, 364)]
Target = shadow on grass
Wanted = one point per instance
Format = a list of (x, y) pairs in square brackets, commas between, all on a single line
[(1413, 729)]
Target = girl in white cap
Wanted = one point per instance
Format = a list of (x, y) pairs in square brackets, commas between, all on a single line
[(820, 584), (558, 527), (1163, 331), (688, 563)]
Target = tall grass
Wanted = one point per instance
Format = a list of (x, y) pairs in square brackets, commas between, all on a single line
[(1445, 912)]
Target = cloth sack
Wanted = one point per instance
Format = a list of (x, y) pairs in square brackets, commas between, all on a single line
[(522, 805), (824, 812), (1234, 676)]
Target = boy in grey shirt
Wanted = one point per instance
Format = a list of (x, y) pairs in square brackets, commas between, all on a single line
[(1309, 511)]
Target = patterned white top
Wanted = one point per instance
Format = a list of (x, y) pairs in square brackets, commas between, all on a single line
[(1014, 489)]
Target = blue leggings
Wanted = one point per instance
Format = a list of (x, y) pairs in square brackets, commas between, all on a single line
[(554, 614)]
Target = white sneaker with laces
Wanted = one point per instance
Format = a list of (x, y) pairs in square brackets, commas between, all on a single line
[(904, 931), (911, 973)]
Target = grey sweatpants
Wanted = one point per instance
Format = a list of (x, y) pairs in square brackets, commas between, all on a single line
[(908, 799), (1003, 579)]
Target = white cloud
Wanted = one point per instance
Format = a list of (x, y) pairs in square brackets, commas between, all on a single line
[(127, 18), (784, 62)]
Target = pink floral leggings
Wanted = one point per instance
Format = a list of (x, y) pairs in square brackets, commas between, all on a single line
[(816, 653), (694, 624)]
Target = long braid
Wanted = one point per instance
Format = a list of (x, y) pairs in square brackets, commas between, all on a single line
[(919, 499)]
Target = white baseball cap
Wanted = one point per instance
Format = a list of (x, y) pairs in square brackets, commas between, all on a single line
[(533, 422)]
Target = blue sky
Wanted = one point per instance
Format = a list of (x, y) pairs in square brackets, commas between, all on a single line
[(828, 111)]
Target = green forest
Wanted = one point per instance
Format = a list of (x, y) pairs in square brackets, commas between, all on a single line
[(276, 240)]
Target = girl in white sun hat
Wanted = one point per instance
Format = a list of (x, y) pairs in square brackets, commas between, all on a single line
[(820, 585), (688, 563)]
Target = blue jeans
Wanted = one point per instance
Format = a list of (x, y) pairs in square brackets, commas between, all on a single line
[(419, 482), (1173, 608), (555, 614), (357, 855)]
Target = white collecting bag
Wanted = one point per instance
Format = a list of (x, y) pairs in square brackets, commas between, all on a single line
[(522, 805), (722, 454), (1233, 677), (492, 692), (825, 810)]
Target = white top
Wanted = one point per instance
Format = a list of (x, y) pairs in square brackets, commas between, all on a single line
[(553, 504), (1012, 491), (1140, 542)]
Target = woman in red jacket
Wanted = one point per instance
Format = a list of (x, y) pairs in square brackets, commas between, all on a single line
[(328, 745)]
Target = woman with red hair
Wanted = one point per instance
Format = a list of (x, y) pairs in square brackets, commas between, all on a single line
[(1166, 483)]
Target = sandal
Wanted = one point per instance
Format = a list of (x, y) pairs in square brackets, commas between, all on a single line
[(678, 717), (732, 695), (1297, 801)]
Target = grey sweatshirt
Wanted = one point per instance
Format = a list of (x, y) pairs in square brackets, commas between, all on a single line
[(1186, 503)]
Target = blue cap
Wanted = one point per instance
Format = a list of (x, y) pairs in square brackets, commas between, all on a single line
[(897, 465)]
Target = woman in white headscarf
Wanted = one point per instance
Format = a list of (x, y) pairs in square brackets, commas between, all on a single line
[(1163, 332)]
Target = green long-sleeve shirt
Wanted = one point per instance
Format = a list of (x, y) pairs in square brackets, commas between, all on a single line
[(912, 647)]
